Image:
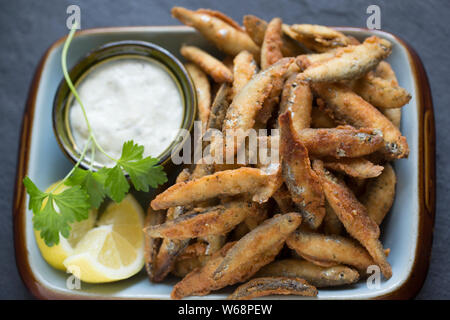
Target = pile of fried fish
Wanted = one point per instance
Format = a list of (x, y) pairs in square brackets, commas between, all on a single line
[(312, 220)]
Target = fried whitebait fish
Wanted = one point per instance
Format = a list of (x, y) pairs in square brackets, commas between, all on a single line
[(193, 256), (257, 248), (164, 260), (184, 266), (202, 222), (297, 99), (305, 60), (151, 245), (380, 194), (248, 102), (331, 223), (284, 200), (350, 62), (221, 16), (394, 115), (244, 68), (345, 106), (272, 43), (384, 71), (260, 287), (330, 250), (381, 93), (168, 252), (256, 28), (215, 68), (316, 37), (341, 142), (219, 31), (200, 281), (219, 108), (353, 216), (269, 104), (318, 276), (214, 241), (301, 180), (355, 167), (257, 216), (203, 89), (251, 181), (195, 249)]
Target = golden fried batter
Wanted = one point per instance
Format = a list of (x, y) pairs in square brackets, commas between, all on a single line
[(244, 68), (215, 68), (350, 62), (329, 250), (355, 167), (248, 102), (203, 90), (317, 38), (200, 281), (151, 245), (300, 179), (353, 216), (316, 275), (297, 99), (256, 28), (380, 194), (341, 142), (267, 286), (201, 222), (250, 181), (223, 34), (271, 46), (258, 247), (346, 106)]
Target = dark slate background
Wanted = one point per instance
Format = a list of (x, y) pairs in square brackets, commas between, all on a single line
[(28, 28)]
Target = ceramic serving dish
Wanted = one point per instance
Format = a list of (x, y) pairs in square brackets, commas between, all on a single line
[(407, 230)]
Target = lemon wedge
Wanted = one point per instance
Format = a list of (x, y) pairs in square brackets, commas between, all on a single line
[(114, 250), (56, 254)]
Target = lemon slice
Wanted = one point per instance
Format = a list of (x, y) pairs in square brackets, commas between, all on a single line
[(114, 250), (56, 254)]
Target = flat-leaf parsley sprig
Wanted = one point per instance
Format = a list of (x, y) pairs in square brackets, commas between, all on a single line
[(54, 212)]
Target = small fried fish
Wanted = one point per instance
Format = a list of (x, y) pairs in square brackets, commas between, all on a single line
[(316, 275), (267, 286), (301, 180)]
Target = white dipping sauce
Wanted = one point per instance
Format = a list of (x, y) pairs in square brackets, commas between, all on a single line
[(127, 99)]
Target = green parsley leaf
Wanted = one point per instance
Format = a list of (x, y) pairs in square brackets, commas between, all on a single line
[(131, 151), (36, 195), (143, 172), (59, 212), (116, 184), (92, 182), (73, 203)]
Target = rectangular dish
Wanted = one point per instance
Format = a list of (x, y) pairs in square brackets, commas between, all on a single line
[(407, 230)]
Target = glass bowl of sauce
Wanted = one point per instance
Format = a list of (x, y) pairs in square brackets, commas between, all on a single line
[(131, 90)]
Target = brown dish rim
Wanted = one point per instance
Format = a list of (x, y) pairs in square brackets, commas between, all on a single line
[(426, 171)]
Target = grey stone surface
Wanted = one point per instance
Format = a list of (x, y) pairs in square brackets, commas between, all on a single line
[(27, 28)]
